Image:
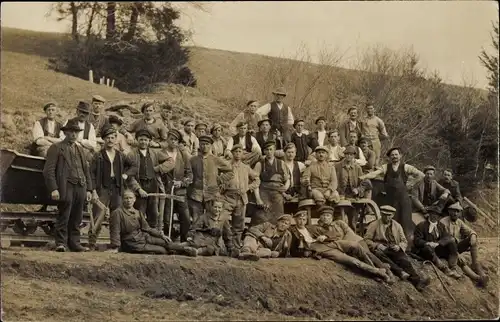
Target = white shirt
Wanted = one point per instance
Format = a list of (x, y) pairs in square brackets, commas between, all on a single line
[(92, 140), (265, 109), (335, 152), (307, 236), (111, 155), (243, 141), (321, 137), (290, 165), (144, 152), (38, 130), (172, 154), (362, 160)]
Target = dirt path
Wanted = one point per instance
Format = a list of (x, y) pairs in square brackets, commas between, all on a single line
[(119, 287)]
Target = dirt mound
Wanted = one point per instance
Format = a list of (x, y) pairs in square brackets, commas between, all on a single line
[(290, 287)]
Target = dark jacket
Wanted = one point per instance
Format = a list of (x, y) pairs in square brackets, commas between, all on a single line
[(207, 231), (57, 168), (421, 235), (298, 246), (178, 170)]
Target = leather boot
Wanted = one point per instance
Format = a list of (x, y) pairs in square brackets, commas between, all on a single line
[(471, 274)]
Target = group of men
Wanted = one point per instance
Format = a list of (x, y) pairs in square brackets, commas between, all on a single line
[(269, 160)]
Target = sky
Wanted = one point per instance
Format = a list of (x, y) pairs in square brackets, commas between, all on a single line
[(447, 35)]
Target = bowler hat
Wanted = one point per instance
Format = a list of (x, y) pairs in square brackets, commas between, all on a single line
[(83, 106), (108, 130), (280, 91), (321, 118), (264, 120), (392, 149), (143, 132), (49, 104), (205, 139), (98, 98), (71, 126), (113, 119)]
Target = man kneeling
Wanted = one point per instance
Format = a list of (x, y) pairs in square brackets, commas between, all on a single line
[(203, 238), (387, 241), (130, 232), (267, 240)]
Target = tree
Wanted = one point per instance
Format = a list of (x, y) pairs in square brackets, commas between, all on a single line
[(490, 62)]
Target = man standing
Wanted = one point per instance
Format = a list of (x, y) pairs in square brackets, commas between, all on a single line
[(46, 131), (376, 131), (108, 172), (386, 239), (320, 135), (220, 143), (249, 116), (351, 125), (252, 152), (320, 178), (304, 143), (189, 138), (280, 114), (208, 171), (68, 179), (154, 125), (121, 141), (428, 192), (97, 118), (180, 176), (396, 175), (235, 192), (274, 181), (87, 137)]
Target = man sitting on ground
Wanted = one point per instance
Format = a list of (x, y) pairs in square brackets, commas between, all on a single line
[(369, 155), (203, 238), (267, 240), (387, 241), (320, 178), (432, 241), (466, 240), (428, 192), (452, 185)]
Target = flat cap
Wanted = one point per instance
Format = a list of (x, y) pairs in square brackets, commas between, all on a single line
[(269, 143), (321, 118), (321, 148), (434, 209), (326, 210), (456, 206), (386, 209), (108, 130), (98, 98), (284, 217), (236, 146), (201, 125), (186, 122), (176, 134), (300, 213), (429, 167), (392, 149), (113, 119), (240, 124), (350, 150), (215, 127), (205, 139), (143, 132), (264, 120), (49, 104), (297, 122)]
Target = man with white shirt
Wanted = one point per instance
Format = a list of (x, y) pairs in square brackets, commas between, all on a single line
[(296, 168), (336, 152), (46, 131), (251, 148), (279, 113), (360, 156), (189, 138), (87, 137), (320, 135)]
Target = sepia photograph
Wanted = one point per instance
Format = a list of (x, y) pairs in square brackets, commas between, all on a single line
[(249, 161)]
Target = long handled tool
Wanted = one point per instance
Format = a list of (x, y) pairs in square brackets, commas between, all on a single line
[(171, 214), (440, 279)]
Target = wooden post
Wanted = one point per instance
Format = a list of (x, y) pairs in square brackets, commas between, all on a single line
[(101, 80), (91, 76), (107, 82), (113, 83)]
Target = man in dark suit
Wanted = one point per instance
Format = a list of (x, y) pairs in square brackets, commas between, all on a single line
[(67, 177)]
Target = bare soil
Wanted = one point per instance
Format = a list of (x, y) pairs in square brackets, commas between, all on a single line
[(45, 285)]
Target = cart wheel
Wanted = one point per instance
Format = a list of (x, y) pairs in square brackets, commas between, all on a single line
[(24, 229), (48, 228)]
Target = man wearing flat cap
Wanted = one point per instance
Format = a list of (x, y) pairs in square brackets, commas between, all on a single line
[(353, 142), (267, 240), (209, 172), (320, 136), (97, 117), (304, 143), (274, 181), (429, 192), (251, 148), (301, 236), (151, 163), (369, 155), (466, 240), (108, 170), (249, 115), (264, 134), (320, 179), (46, 130), (153, 124), (399, 178), (279, 113), (220, 143), (200, 129), (386, 239), (191, 141), (432, 241), (180, 177), (121, 140), (235, 192), (68, 180), (87, 137), (352, 124), (334, 240)]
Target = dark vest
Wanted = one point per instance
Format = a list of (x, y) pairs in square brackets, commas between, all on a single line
[(296, 178), (57, 127), (301, 143), (105, 175), (269, 170), (395, 179), (278, 117), (86, 129), (248, 144)]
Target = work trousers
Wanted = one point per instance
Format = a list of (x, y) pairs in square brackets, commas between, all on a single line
[(251, 245), (149, 205), (112, 199), (67, 226), (376, 147), (374, 259), (155, 245), (237, 210), (196, 208), (447, 251), (274, 199), (399, 262), (203, 250), (182, 211)]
